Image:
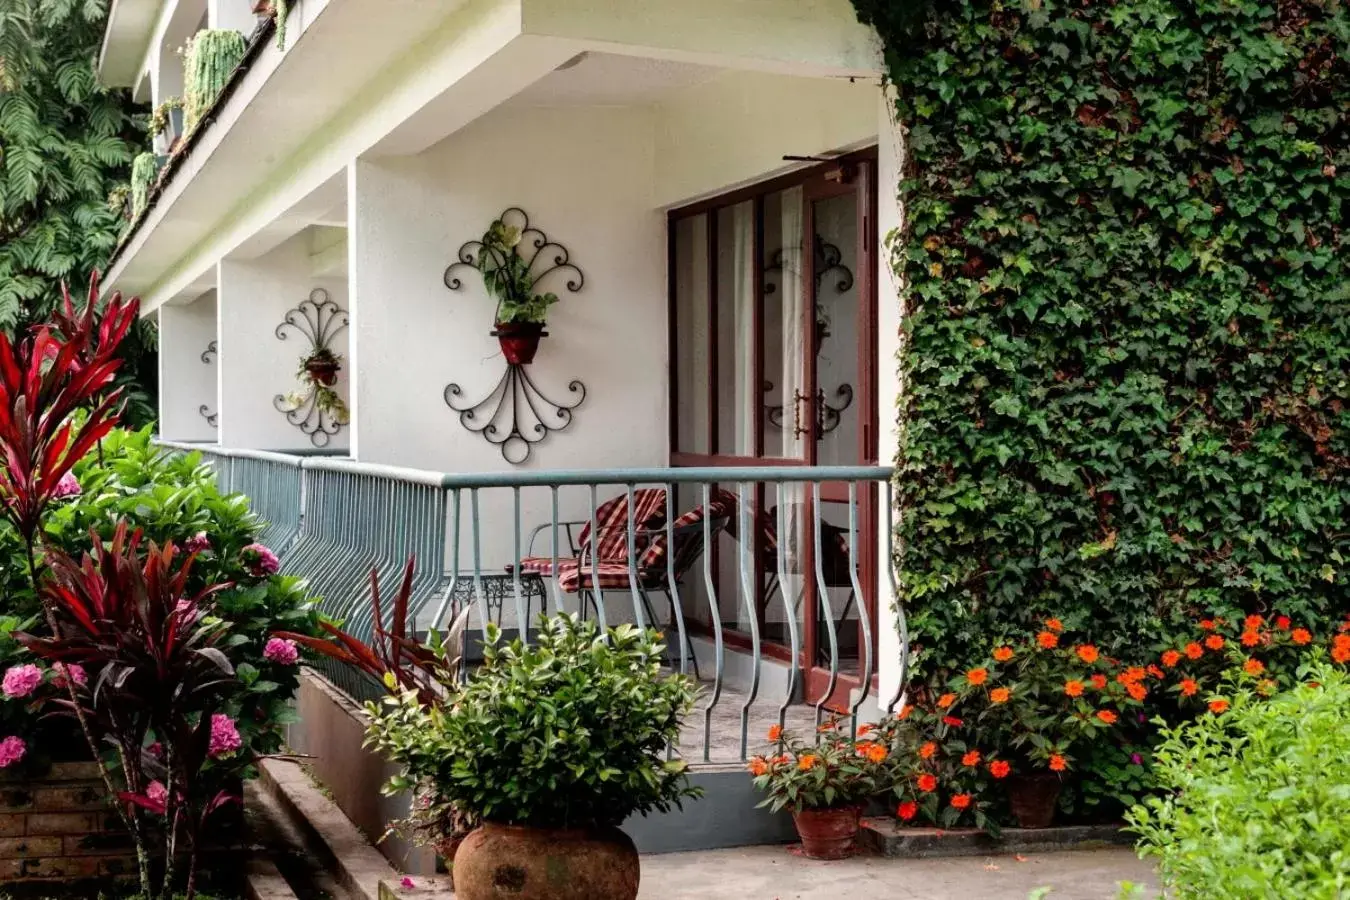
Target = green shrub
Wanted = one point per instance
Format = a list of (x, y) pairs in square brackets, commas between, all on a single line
[(569, 732), (1258, 802)]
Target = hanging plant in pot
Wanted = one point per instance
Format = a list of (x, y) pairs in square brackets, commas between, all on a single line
[(521, 312), (318, 373), (824, 784), (543, 805)]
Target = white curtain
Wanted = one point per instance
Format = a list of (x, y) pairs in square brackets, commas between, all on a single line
[(791, 525), (746, 402)]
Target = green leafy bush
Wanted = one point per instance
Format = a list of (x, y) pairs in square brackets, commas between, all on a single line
[(1126, 307), (569, 732), (1258, 801)]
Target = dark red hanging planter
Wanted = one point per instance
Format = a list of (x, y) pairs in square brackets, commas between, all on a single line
[(323, 371), (519, 341)]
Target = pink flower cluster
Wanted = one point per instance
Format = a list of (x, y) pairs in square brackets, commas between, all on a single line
[(156, 792), (224, 736), (281, 651), (68, 486), (74, 670), (20, 681), (12, 749), (198, 543), (259, 560)]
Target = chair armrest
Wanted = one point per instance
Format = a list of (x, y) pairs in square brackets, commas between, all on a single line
[(562, 526)]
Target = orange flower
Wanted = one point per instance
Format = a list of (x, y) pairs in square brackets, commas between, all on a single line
[(758, 766), (1250, 638), (807, 761), (1340, 653), (874, 752), (960, 801), (781, 759), (1207, 624), (1188, 687), (775, 732), (999, 695), (971, 758), (866, 728), (1058, 763), (1154, 671), (1253, 622), (1253, 667), (1099, 682), (1073, 688), (999, 768), (907, 810), (1003, 654), (1087, 653), (824, 727), (1214, 642), (952, 721), (946, 700), (1218, 706), (1132, 675), (1170, 658), (927, 750), (927, 783), (1054, 624), (1283, 623), (977, 676), (1137, 690), (1047, 640), (1194, 650), (1107, 716), (1301, 636)]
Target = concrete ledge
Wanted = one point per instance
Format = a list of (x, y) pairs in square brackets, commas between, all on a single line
[(358, 866), (887, 837), (265, 882), (435, 887)]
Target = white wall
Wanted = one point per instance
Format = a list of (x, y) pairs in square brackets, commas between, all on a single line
[(736, 128), (256, 366), (186, 383)]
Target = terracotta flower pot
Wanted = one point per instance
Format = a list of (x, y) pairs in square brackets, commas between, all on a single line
[(323, 371), (1033, 799), (263, 8), (828, 833), (519, 341), (496, 862)]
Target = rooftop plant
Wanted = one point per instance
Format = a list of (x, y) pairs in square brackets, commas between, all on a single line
[(211, 58)]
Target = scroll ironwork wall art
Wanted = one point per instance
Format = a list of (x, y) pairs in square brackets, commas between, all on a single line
[(516, 261), (212, 350), (316, 407), (828, 264)]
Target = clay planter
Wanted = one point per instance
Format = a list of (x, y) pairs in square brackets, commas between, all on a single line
[(519, 341), (323, 371), (828, 833), (1033, 799), (263, 8), (497, 862)]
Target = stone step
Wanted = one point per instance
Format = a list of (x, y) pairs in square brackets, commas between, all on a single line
[(887, 837), (417, 887)]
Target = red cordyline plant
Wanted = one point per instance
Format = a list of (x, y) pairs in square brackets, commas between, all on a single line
[(155, 671)]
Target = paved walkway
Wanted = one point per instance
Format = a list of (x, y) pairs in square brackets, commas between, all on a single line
[(773, 873)]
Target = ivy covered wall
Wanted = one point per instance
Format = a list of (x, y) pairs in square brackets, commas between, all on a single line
[(1126, 360)]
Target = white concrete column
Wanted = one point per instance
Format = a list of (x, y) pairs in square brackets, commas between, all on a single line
[(255, 365), (187, 370), (236, 14), (890, 153)]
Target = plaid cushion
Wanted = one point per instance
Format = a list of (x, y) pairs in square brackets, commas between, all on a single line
[(574, 576), (542, 565), (611, 519)]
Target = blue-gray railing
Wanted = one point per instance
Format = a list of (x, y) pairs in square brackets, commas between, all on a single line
[(333, 520)]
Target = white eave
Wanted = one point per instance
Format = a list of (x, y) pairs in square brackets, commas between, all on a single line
[(131, 27)]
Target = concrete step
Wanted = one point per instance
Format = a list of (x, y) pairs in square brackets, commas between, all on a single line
[(417, 887), (887, 837)]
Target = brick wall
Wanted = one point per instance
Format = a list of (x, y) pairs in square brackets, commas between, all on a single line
[(59, 828)]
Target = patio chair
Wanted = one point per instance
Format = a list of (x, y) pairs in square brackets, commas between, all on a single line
[(688, 539), (611, 520)]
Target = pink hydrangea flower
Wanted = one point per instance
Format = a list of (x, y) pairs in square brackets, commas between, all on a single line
[(20, 681), (12, 749), (156, 750), (407, 883), (198, 543), (74, 670), (280, 650), (156, 792), (224, 736), (68, 486), (259, 560)]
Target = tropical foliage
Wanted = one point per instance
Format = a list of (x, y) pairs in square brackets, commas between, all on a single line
[(1126, 349)]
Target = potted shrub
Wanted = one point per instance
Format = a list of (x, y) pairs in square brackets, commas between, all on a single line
[(521, 312), (544, 751), (824, 784), (317, 374)]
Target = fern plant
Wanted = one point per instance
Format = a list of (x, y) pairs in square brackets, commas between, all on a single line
[(212, 56)]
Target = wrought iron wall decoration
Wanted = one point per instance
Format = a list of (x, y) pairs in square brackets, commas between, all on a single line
[(316, 409), (516, 261), (212, 349), (828, 260)]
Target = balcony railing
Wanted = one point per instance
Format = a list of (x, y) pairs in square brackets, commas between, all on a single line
[(765, 580)]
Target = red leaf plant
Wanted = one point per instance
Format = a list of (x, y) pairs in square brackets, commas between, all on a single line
[(156, 672)]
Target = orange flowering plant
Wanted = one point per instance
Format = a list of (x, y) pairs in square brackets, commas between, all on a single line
[(937, 772), (832, 769)]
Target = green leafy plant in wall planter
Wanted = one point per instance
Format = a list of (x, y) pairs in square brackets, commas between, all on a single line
[(144, 168), (315, 408), (212, 56), (279, 10), (317, 374), (168, 119)]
